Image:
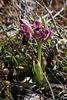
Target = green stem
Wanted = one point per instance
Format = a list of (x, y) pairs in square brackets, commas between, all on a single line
[(39, 52)]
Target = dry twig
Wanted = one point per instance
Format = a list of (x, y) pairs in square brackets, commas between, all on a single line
[(45, 7)]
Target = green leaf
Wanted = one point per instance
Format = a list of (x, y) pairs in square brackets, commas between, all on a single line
[(38, 76), (13, 58)]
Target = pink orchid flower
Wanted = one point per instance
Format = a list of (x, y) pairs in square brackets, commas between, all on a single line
[(44, 35), (27, 29)]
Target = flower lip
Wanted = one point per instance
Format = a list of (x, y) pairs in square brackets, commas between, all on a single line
[(36, 24), (47, 35), (47, 31)]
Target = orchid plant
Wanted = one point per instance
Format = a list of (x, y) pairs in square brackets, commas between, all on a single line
[(41, 35)]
